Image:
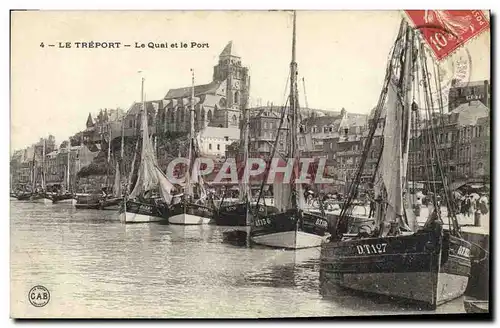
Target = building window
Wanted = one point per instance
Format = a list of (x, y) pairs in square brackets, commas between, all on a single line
[(209, 116), (218, 147), (236, 97), (226, 138), (210, 146)]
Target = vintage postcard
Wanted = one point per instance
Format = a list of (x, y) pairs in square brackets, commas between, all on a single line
[(249, 164)]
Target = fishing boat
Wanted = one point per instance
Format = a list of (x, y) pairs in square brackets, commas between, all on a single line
[(292, 227), (239, 212), (141, 205), (113, 201), (40, 195), (391, 255), (191, 211), (25, 195), (66, 197)]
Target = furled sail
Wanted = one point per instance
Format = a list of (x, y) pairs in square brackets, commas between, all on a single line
[(282, 191), (390, 179), (391, 163), (149, 174), (117, 186)]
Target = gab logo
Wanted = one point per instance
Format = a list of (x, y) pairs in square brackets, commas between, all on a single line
[(39, 296)]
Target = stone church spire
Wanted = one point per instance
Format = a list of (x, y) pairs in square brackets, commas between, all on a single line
[(229, 51)]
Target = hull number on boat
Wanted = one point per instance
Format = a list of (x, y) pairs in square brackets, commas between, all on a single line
[(146, 208), (322, 223), (371, 248), (463, 251), (262, 222)]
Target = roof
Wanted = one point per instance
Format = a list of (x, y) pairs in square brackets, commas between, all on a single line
[(229, 50), (136, 106), (469, 113), (265, 112), (211, 100), (307, 112), (356, 119), (323, 120), (198, 90), (220, 133), (461, 84)]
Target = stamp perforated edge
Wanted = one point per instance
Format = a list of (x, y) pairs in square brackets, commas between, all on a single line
[(486, 14)]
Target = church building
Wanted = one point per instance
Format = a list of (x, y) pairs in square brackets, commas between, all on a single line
[(217, 104)]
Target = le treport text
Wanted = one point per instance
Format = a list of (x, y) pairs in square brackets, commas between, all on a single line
[(118, 45)]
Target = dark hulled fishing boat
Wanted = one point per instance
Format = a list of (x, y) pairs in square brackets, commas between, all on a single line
[(23, 196), (66, 197), (40, 195), (139, 206), (240, 214), (191, 211), (393, 256), (291, 227), (236, 214)]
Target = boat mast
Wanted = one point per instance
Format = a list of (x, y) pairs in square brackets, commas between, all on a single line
[(293, 151), (33, 170), (67, 166), (109, 155), (246, 135), (189, 190), (132, 166), (43, 165)]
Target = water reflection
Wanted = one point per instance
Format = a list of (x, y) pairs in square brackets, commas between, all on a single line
[(95, 266)]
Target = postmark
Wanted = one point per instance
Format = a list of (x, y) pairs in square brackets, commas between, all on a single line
[(448, 73), (446, 31), (39, 296)]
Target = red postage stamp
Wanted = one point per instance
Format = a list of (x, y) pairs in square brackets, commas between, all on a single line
[(446, 30)]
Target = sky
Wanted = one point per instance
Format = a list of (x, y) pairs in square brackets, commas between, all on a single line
[(342, 56)]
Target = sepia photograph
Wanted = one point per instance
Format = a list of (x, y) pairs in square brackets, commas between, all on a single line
[(249, 164)]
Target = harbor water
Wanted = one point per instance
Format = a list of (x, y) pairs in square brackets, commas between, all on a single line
[(96, 267)]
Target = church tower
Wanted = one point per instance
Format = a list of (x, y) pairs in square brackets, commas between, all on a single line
[(229, 69)]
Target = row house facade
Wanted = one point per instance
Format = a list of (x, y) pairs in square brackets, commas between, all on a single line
[(55, 166), (24, 162), (337, 138), (463, 140)]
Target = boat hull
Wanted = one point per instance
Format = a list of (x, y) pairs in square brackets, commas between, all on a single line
[(139, 212), (39, 199), (190, 214), (188, 219), (71, 200), (289, 230), (87, 206), (235, 215), (423, 267), (289, 240), (26, 196), (111, 204)]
